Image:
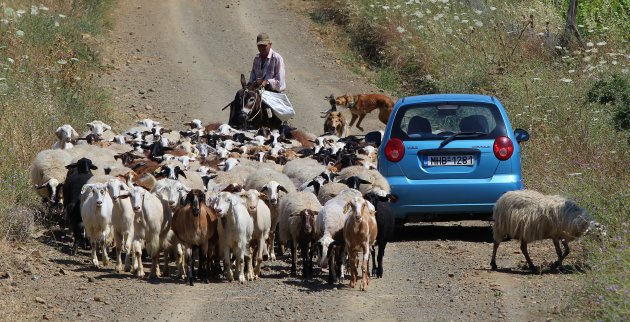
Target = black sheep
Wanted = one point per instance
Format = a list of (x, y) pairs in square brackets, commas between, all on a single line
[(385, 222), (78, 175)]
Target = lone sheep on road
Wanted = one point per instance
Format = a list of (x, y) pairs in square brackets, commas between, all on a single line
[(528, 216)]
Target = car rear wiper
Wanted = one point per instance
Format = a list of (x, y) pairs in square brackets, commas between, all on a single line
[(456, 135)]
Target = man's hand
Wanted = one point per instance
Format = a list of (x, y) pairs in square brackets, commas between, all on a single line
[(262, 82)]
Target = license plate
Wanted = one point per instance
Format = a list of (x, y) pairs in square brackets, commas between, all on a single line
[(449, 160)]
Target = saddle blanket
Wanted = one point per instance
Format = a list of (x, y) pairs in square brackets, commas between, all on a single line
[(280, 105)]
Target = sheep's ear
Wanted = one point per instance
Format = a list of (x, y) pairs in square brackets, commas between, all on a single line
[(45, 185), (90, 125), (58, 132), (264, 188), (93, 167), (281, 188), (123, 196), (346, 208), (86, 188), (107, 127), (71, 166)]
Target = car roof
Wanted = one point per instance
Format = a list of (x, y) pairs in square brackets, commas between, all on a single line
[(448, 98)]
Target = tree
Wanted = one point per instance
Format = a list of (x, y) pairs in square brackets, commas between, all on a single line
[(571, 27)]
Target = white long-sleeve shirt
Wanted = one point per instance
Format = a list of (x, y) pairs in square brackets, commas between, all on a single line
[(272, 70)]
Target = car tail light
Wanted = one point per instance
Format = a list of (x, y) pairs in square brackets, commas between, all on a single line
[(394, 150), (503, 148)]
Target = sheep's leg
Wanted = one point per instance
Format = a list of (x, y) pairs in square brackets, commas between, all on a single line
[(354, 261), (94, 257), (128, 261), (240, 265), (529, 260), (190, 266), (103, 246), (341, 262), (249, 259), (203, 258), (304, 251), (293, 258), (381, 253), (493, 262), (332, 278), (310, 260), (374, 268), (259, 257), (119, 248), (179, 261), (365, 277), (271, 244), (138, 267), (227, 264)]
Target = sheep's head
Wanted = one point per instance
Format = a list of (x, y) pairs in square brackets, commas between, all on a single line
[(54, 189), (354, 182), (98, 127), (355, 208), (251, 198), (98, 190), (171, 191), (137, 195), (309, 220), (195, 198), (272, 190), (66, 133), (221, 203), (115, 187)]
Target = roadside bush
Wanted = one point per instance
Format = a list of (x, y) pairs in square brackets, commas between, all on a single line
[(614, 90), (46, 81)]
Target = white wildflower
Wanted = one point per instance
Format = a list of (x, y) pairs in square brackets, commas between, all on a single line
[(56, 23), (605, 28), (433, 1), (428, 77), (591, 31), (566, 80), (587, 59), (493, 8), (478, 23), (558, 47), (5, 21), (575, 174), (456, 18), (20, 13), (34, 10), (10, 60), (62, 62), (420, 27), (43, 7), (418, 14), (614, 62), (465, 21), (478, 12), (385, 7), (400, 29), (409, 2), (428, 11), (19, 33), (62, 15), (601, 43), (541, 34), (594, 50), (571, 71), (581, 26), (9, 12), (536, 79), (438, 17), (397, 7), (589, 44)]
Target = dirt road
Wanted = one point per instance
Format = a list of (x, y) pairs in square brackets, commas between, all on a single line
[(178, 60)]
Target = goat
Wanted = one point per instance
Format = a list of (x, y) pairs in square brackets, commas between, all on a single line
[(96, 213), (359, 233)]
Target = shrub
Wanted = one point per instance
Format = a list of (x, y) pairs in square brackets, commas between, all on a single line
[(611, 90)]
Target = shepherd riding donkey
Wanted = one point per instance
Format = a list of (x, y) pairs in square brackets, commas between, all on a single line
[(254, 107)]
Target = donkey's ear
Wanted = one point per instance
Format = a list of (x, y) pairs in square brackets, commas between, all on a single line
[(243, 81)]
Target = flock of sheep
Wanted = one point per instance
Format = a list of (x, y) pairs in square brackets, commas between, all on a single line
[(223, 197)]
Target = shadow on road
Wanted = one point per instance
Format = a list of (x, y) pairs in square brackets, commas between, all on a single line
[(479, 232)]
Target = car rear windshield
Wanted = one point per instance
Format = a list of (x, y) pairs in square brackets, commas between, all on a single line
[(438, 121)]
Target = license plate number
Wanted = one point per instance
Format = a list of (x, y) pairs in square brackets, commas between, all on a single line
[(450, 160)]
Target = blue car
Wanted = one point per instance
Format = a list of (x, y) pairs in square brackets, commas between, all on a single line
[(449, 156)]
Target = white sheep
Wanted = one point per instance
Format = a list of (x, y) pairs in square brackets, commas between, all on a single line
[(65, 135), (261, 216), (275, 185), (96, 213), (238, 228), (122, 221), (378, 184), (329, 191), (48, 172), (148, 226), (529, 215), (330, 221), (303, 170), (298, 212)]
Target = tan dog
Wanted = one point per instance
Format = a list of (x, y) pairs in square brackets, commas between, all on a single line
[(336, 124), (361, 105)]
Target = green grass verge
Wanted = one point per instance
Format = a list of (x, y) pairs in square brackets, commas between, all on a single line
[(46, 63), (578, 147)]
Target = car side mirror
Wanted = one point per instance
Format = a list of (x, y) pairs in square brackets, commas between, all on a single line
[(521, 135), (374, 138)]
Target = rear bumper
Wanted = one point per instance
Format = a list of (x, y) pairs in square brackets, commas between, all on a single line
[(452, 199)]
